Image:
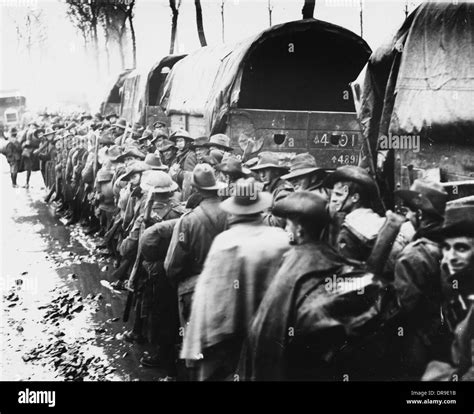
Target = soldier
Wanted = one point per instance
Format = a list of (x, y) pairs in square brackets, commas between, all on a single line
[(232, 170), (168, 152), (119, 131), (145, 141), (270, 171), (200, 148), (305, 175), (457, 283), (157, 187), (238, 269), (353, 190), (219, 142), (13, 154), (186, 157), (193, 236), (181, 170), (160, 133), (417, 276), (314, 307)]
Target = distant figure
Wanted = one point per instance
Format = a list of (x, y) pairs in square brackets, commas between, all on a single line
[(13, 154)]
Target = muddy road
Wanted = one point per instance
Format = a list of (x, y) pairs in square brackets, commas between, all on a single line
[(58, 319)]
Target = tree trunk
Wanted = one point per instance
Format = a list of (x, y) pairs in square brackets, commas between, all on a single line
[(308, 9), (95, 40), (222, 19), (174, 25), (200, 26), (134, 42), (270, 9)]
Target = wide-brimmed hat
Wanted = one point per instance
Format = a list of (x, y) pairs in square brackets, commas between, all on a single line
[(147, 134), (221, 141), (104, 176), (157, 182), (113, 153), (113, 115), (354, 174), (137, 130), (200, 142), (428, 196), (121, 123), (131, 151), (166, 145), (14, 130), (247, 198), (49, 131), (159, 124), (204, 179), (302, 164), (458, 218), (84, 117), (181, 133), (155, 162), (268, 160), (232, 165), (71, 125), (302, 204), (134, 167)]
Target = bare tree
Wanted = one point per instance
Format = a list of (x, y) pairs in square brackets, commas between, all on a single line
[(222, 19), (270, 10), (129, 13), (199, 23), (308, 9), (85, 16), (114, 24), (174, 23), (31, 31)]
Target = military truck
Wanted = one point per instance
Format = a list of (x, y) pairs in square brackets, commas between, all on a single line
[(286, 89), (415, 101)]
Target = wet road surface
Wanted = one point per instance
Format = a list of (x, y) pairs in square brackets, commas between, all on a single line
[(57, 321)]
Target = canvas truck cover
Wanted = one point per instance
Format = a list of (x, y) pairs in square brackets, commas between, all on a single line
[(208, 82), (111, 101), (136, 89), (421, 83)]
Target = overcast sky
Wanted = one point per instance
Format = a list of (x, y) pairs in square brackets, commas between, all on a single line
[(59, 67)]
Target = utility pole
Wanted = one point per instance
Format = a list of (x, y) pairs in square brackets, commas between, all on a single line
[(361, 18)]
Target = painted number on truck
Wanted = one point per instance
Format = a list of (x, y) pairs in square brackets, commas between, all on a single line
[(345, 159), (341, 140)]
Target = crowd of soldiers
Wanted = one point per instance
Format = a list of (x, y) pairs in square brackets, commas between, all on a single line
[(261, 269)]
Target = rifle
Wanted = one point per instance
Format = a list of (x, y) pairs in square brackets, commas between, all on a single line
[(136, 265)]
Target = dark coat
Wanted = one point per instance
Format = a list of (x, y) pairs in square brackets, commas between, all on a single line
[(265, 355), (13, 152), (192, 239), (418, 286), (309, 327)]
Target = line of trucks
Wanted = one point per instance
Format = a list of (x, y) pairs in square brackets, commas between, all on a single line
[(311, 86)]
